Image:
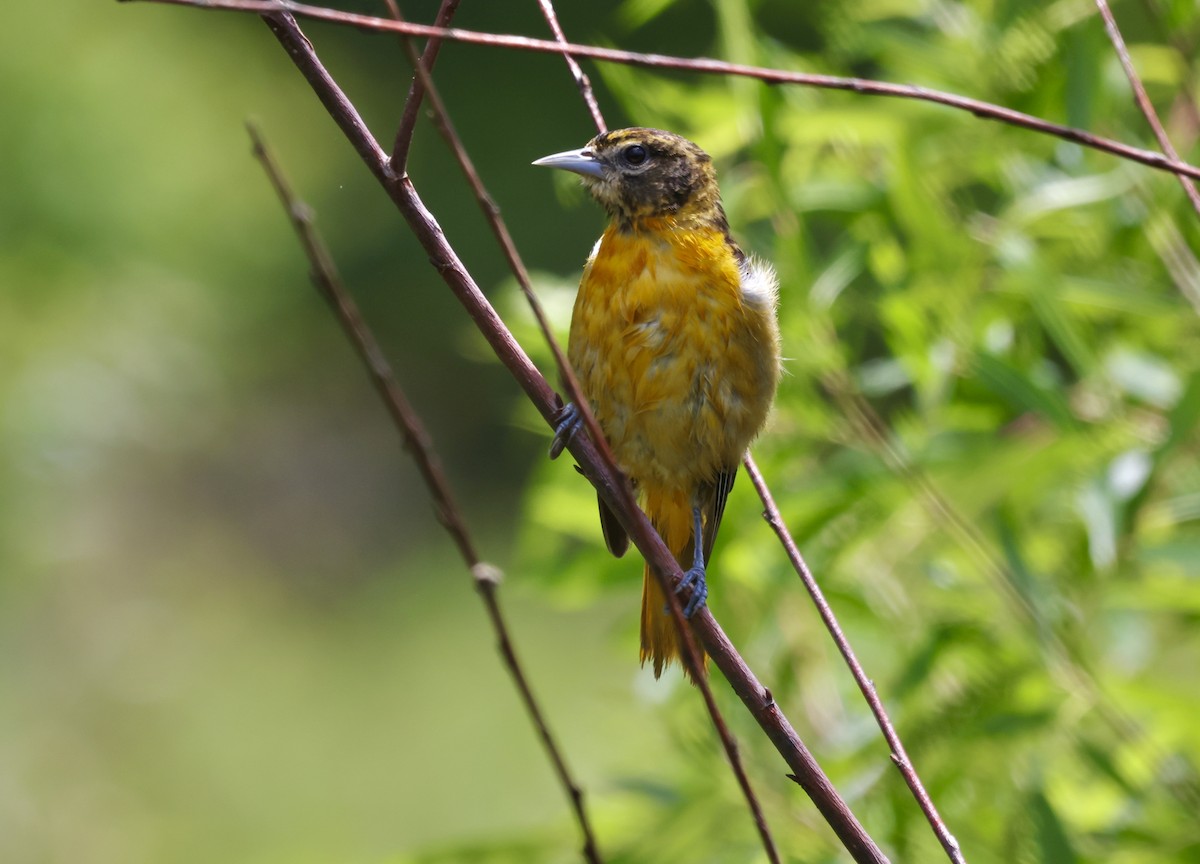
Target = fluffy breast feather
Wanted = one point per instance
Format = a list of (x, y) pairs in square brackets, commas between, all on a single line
[(675, 344)]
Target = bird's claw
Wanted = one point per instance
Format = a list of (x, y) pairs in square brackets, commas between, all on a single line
[(693, 578), (566, 425)]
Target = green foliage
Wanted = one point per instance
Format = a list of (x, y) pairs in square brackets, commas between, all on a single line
[(987, 444), (231, 629)]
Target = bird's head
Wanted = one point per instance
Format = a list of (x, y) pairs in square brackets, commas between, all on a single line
[(637, 174)]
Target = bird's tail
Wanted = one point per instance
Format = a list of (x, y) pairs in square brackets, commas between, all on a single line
[(670, 513)]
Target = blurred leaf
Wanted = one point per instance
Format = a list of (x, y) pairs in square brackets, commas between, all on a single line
[(1022, 393), (1052, 837)]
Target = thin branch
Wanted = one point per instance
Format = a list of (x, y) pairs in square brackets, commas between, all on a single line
[(611, 486), (1075, 677), (491, 212), (581, 79), (985, 110), (1143, 100), (865, 684), (1187, 101), (417, 442), (328, 281), (412, 105)]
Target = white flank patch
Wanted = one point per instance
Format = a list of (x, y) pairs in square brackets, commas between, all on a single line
[(760, 285)]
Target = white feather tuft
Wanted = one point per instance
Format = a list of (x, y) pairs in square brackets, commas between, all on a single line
[(760, 285)]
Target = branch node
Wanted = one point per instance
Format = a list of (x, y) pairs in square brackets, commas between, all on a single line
[(486, 574)]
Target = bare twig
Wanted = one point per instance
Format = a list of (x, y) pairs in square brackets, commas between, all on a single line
[(610, 486), (1183, 43), (412, 105), (985, 110), (581, 79), (1143, 100), (1062, 663), (418, 444), (329, 282), (899, 755), (492, 213)]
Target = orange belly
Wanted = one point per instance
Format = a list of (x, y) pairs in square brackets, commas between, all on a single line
[(678, 363)]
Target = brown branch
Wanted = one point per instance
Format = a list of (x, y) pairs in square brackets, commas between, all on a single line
[(581, 79), (610, 486), (1076, 677), (985, 110), (417, 442), (491, 212), (1143, 100), (865, 684), (1183, 44), (328, 281), (412, 105)]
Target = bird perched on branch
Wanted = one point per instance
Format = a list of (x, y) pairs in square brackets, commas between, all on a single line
[(676, 346)]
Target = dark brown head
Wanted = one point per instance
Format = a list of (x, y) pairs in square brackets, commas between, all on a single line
[(638, 174)]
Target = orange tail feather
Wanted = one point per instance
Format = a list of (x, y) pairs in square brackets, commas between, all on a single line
[(671, 515)]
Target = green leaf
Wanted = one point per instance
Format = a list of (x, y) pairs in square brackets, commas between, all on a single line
[(1052, 837), (1021, 393)]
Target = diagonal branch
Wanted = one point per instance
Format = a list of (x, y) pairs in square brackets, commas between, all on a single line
[(866, 685), (412, 105), (1143, 100), (610, 485), (581, 80), (1078, 677), (985, 110), (491, 212), (418, 444)]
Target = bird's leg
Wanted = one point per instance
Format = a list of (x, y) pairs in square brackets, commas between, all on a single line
[(694, 576), (566, 424)]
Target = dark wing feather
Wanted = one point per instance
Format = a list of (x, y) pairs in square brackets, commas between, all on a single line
[(716, 508), (615, 537)]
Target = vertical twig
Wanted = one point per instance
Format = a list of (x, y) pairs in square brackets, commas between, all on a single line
[(416, 90), (417, 442), (581, 79), (1143, 100)]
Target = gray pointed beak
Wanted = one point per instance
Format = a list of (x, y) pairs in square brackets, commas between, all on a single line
[(579, 161)]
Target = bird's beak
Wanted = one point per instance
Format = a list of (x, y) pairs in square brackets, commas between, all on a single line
[(580, 161)]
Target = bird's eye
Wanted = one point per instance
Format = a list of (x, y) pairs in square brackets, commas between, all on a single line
[(635, 154)]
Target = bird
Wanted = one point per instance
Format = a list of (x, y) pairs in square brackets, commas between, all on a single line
[(675, 343)]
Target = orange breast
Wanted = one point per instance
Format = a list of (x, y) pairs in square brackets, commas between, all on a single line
[(678, 364)]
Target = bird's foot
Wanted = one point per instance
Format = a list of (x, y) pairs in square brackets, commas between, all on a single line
[(693, 578), (566, 425)]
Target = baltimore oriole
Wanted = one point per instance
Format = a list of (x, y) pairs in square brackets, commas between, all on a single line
[(676, 346)]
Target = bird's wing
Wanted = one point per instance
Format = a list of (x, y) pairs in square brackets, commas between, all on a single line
[(715, 506), (615, 537)]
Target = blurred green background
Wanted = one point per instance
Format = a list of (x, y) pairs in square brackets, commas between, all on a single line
[(230, 629)]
